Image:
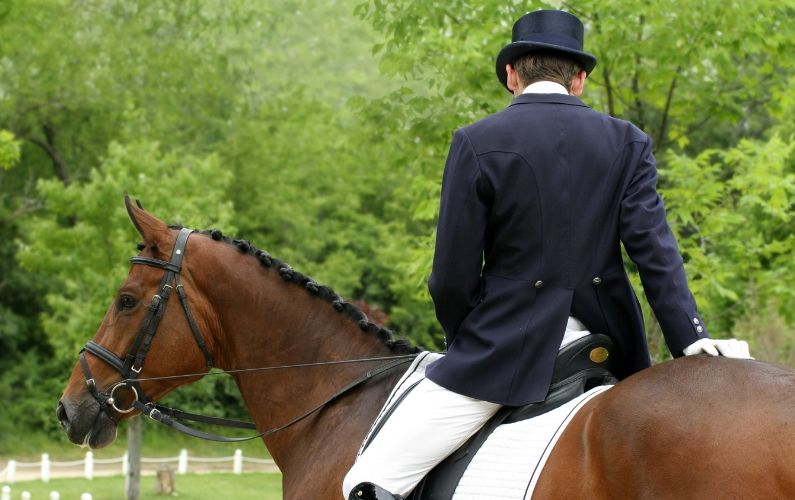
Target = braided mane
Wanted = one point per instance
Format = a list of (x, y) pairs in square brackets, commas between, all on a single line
[(323, 292)]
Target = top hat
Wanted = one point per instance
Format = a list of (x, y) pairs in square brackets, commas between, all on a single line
[(553, 31)]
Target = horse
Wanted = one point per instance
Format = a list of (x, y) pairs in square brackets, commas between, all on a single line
[(694, 427)]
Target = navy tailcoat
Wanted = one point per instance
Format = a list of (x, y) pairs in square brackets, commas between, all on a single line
[(536, 200)]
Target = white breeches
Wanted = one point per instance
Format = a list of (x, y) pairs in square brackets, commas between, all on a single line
[(429, 424), (426, 427)]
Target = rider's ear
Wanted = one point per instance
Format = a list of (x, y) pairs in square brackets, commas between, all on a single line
[(154, 231)]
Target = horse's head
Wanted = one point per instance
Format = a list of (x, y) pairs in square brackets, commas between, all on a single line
[(150, 330)]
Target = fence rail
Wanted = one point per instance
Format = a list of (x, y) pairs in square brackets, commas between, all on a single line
[(45, 469)]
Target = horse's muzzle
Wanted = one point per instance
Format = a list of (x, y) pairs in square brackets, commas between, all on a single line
[(84, 423)]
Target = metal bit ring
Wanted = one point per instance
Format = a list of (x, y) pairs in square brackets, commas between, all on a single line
[(112, 401)]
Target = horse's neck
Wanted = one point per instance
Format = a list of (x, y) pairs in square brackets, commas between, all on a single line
[(314, 457), (284, 325)]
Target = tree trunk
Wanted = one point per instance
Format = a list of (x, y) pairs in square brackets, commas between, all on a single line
[(48, 146)]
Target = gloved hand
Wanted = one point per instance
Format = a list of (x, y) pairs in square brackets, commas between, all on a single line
[(730, 348)]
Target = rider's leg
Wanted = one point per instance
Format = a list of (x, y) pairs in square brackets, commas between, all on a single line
[(428, 425)]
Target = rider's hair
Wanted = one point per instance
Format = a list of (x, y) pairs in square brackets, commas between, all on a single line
[(538, 66)]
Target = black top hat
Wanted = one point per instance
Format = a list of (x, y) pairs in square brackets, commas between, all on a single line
[(545, 31)]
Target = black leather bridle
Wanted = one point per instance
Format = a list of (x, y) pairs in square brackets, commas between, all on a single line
[(131, 365)]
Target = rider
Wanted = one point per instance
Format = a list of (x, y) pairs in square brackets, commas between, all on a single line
[(536, 201)]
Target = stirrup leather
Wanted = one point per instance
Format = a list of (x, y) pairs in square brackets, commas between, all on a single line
[(370, 491)]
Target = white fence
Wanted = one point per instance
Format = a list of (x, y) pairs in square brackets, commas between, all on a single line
[(54, 495), (45, 469)]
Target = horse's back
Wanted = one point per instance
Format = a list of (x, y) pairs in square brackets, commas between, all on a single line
[(696, 427)]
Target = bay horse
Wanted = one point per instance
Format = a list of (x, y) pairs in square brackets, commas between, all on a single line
[(695, 427)]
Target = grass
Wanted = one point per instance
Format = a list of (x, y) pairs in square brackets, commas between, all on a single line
[(157, 442), (189, 487)]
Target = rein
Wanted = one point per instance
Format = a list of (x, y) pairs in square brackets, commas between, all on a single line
[(167, 416), (131, 365), (278, 367)]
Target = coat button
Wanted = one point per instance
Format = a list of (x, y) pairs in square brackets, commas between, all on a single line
[(597, 281), (696, 321), (538, 284), (699, 329)]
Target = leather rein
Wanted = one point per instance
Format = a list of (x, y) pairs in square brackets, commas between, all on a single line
[(131, 365)]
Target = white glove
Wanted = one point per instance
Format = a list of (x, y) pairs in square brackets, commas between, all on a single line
[(730, 348)]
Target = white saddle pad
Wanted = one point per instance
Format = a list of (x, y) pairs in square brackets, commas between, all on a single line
[(509, 463)]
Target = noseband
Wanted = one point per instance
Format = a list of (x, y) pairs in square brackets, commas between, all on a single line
[(131, 365)]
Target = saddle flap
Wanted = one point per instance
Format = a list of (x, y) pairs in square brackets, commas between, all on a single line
[(580, 366)]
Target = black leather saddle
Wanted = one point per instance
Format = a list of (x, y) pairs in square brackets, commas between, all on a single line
[(582, 365)]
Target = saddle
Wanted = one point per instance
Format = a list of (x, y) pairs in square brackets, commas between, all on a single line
[(582, 365)]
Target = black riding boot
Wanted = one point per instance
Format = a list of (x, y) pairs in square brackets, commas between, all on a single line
[(370, 491)]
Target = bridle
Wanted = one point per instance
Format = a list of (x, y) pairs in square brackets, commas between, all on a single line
[(130, 366)]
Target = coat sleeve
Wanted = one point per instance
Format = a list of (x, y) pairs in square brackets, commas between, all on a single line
[(455, 282), (651, 244)]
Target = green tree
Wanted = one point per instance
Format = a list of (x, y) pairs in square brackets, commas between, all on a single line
[(697, 76), (83, 241), (107, 96), (79, 247), (9, 150), (275, 122)]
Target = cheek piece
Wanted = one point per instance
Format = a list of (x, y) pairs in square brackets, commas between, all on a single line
[(131, 365)]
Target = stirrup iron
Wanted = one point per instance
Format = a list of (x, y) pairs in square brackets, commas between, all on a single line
[(370, 491)]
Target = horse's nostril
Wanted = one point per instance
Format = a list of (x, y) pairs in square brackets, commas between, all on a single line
[(60, 412)]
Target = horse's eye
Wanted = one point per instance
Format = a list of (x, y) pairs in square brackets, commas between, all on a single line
[(126, 302)]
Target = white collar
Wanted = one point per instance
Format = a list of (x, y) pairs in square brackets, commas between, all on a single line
[(545, 87)]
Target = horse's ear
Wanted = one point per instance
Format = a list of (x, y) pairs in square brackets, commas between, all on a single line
[(152, 229)]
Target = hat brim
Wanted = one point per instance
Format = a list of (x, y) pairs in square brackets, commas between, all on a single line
[(515, 50)]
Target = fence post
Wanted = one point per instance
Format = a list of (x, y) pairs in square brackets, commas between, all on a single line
[(237, 462), (182, 463), (89, 465), (25, 495), (54, 495), (45, 468), (11, 471), (133, 477), (6, 494)]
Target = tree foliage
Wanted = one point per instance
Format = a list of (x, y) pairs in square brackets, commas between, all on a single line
[(83, 239), (226, 114), (318, 130), (696, 76), (9, 150)]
